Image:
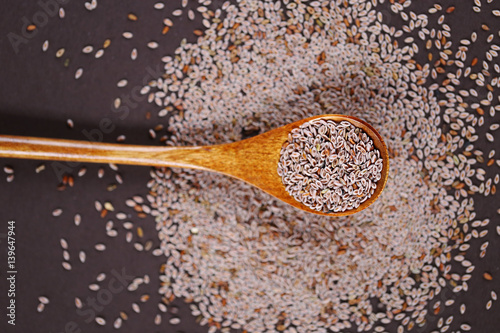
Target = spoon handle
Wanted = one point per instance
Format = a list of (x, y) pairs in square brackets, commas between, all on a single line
[(98, 152)]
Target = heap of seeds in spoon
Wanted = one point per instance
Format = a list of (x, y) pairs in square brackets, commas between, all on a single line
[(329, 166)]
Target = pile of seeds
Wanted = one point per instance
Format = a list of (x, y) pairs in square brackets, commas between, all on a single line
[(330, 167), (248, 261)]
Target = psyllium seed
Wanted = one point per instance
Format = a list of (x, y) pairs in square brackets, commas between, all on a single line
[(329, 166)]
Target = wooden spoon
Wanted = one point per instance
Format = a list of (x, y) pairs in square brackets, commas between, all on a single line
[(254, 160)]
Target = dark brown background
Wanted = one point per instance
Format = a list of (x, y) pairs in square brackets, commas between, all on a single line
[(38, 94)]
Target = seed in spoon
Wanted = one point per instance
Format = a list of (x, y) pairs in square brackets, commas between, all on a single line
[(330, 166)]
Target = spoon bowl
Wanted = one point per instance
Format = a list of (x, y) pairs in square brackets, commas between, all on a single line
[(253, 160)]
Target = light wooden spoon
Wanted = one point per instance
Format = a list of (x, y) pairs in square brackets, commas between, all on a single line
[(254, 160)]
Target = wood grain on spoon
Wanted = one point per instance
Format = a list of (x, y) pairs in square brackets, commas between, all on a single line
[(254, 160)]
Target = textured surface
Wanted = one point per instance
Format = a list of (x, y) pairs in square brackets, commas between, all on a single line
[(40, 93)]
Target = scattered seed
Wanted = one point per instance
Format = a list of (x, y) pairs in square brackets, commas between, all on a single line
[(100, 247), (94, 287), (99, 53), (87, 49), (175, 321), (43, 300), (82, 256), (153, 45), (118, 323), (122, 83), (59, 53), (100, 321)]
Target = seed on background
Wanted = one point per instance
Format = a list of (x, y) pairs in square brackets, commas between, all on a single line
[(111, 187), (117, 102), (133, 54), (132, 17), (57, 212), (108, 206), (100, 247), (78, 303), (45, 46), (82, 171), (175, 321), (136, 307), (87, 49), (127, 35), (121, 216), (162, 307), (465, 327), (40, 168), (122, 83), (77, 219), (118, 323), (62, 13), (153, 45), (40, 307), (112, 233), (43, 300), (82, 256), (99, 53), (100, 321), (60, 53), (66, 265), (94, 287)]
